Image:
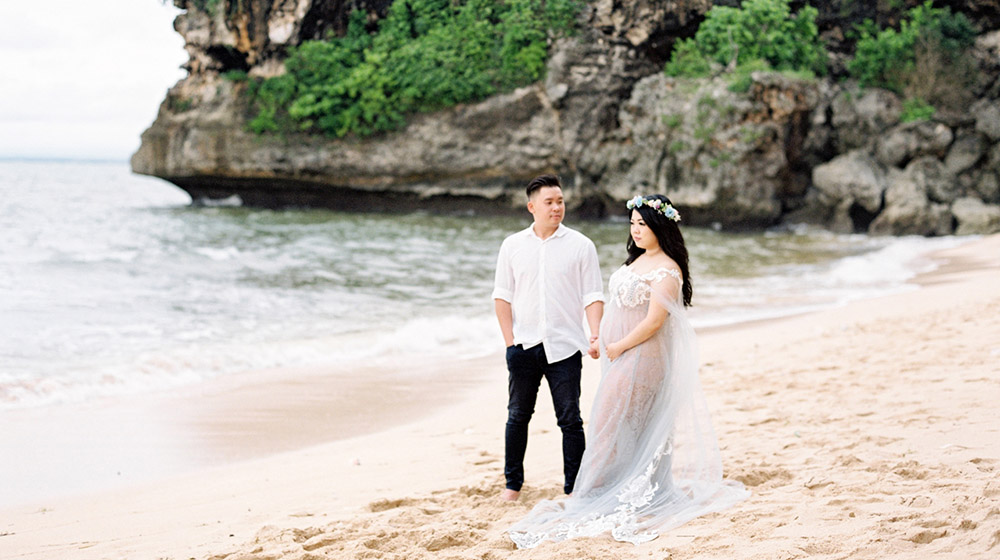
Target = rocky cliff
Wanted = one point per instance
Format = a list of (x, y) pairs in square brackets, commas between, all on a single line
[(606, 119)]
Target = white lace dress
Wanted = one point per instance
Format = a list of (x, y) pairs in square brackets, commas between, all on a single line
[(652, 459)]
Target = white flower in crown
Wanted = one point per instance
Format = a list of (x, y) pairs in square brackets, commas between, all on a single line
[(667, 210)]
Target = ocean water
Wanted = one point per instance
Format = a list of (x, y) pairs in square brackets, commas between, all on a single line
[(112, 283)]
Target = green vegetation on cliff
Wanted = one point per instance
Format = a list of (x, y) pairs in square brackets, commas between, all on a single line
[(761, 34), (425, 55), (209, 6), (926, 59)]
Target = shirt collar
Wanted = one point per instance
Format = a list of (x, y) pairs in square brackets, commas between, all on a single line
[(560, 231)]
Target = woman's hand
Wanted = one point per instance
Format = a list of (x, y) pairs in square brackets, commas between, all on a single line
[(613, 350), (595, 349)]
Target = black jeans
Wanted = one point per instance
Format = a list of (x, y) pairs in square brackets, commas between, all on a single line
[(526, 369)]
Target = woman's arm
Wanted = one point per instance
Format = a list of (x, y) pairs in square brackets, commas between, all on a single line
[(641, 333), (657, 314)]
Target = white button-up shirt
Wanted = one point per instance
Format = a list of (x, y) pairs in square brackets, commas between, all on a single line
[(548, 283)]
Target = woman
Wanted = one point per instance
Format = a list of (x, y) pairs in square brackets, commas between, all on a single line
[(652, 461)]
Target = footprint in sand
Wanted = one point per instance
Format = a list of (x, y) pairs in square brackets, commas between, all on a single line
[(478, 491), (450, 538), (984, 465), (321, 541), (760, 476), (924, 537), (386, 504), (917, 501), (486, 458), (911, 470)]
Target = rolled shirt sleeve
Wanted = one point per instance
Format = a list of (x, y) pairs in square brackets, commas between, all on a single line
[(503, 283), (593, 284)]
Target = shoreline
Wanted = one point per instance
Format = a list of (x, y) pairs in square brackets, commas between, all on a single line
[(238, 417), (449, 459), (222, 421), (244, 415)]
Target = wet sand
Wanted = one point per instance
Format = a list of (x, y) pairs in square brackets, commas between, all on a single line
[(866, 432)]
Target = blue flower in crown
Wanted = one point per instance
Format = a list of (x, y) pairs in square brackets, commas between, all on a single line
[(667, 210), (672, 214)]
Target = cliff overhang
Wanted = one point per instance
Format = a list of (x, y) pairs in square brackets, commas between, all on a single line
[(605, 118)]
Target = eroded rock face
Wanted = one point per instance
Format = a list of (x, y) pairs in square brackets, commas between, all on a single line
[(253, 34), (909, 140), (605, 118), (974, 216), (965, 152), (987, 114), (722, 157), (479, 153), (649, 25), (908, 211), (850, 187), (458, 153), (859, 118)]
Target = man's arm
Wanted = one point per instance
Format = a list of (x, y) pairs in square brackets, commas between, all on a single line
[(503, 294), (505, 316), (593, 296), (594, 313)]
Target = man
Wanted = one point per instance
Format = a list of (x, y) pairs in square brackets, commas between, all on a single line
[(547, 280)]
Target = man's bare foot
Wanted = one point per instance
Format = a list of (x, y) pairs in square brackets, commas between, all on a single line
[(509, 495)]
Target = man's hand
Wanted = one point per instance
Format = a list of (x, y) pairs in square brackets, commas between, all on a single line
[(595, 349)]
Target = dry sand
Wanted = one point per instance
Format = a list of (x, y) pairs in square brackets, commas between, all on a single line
[(864, 432)]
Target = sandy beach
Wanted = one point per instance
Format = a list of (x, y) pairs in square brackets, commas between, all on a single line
[(868, 431)]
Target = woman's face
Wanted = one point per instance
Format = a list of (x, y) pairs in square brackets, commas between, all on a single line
[(643, 236)]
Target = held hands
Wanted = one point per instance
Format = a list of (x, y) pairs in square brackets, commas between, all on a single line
[(595, 350), (613, 350)]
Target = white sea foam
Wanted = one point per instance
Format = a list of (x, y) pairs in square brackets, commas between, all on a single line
[(232, 201), (204, 352), (115, 286), (447, 338), (795, 289), (223, 254)]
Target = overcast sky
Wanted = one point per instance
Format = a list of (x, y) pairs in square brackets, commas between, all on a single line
[(83, 79)]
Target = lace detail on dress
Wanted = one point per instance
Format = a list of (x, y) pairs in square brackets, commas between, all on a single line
[(637, 494), (623, 523), (632, 290)]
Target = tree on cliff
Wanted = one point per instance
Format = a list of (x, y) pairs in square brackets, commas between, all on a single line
[(425, 55), (760, 34), (926, 59)]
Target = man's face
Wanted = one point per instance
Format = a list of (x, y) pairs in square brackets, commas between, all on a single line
[(547, 206)]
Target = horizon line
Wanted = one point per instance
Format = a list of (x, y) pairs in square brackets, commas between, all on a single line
[(63, 159)]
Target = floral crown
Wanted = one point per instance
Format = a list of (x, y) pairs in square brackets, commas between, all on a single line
[(664, 208)]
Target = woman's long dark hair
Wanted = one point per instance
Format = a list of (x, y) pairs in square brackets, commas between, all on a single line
[(668, 234)]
